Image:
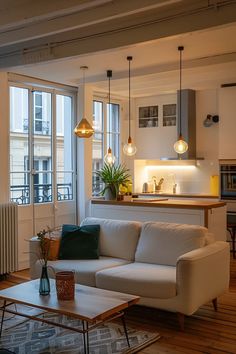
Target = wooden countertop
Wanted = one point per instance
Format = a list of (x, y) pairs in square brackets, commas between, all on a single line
[(168, 203)]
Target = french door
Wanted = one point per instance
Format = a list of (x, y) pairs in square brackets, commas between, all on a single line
[(42, 161)]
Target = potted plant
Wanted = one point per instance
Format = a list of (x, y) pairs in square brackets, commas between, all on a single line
[(113, 176)]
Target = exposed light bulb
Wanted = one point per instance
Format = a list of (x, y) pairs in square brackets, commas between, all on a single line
[(129, 148), (109, 158), (181, 146)]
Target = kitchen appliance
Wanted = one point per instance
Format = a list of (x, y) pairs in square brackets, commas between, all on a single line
[(228, 183)]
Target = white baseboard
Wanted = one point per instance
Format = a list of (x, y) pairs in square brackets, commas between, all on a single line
[(23, 265)]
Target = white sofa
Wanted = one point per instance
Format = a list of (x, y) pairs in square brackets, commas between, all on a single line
[(174, 267)]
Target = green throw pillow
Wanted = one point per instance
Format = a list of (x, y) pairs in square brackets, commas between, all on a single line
[(79, 242)]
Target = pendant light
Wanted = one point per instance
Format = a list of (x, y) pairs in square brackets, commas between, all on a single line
[(83, 129), (109, 158), (129, 148), (181, 146)]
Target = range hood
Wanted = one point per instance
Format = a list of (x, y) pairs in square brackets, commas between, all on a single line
[(188, 122)]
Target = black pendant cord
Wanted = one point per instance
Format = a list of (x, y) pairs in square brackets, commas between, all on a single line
[(181, 48), (109, 75), (129, 59)]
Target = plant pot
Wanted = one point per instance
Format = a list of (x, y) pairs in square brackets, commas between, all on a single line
[(109, 194)]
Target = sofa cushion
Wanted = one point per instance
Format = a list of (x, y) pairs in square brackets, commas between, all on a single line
[(163, 243), (117, 238), (142, 279), (85, 270), (79, 242)]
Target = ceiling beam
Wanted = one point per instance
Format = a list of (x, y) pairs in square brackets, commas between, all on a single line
[(127, 29)]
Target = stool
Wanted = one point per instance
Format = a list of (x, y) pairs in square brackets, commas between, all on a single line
[(231, 227)]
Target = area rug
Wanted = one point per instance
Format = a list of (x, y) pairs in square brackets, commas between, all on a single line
[(31, 337)]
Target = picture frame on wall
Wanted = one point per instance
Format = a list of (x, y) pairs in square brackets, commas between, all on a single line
[(148, 116)]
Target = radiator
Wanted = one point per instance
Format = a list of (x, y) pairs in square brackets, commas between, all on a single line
[(8, 238)]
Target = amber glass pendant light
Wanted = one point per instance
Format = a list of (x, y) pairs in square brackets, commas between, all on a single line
[(181, 146), (109, 158), (129, 148), (83, 129)]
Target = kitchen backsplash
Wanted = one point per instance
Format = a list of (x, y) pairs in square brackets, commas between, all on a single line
[(185, 179)]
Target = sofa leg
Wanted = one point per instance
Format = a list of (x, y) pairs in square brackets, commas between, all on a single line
[(214, 301), (181, 320)]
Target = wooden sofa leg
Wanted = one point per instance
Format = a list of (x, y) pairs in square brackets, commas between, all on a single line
[(181, 320), (214, 301)]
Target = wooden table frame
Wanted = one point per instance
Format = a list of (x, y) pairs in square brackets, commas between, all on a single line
[(87, 324)]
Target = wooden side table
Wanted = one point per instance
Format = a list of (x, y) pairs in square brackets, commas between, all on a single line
[(231, 227)]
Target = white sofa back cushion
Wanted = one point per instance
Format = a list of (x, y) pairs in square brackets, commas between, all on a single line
[(163, 243), (117, 238)]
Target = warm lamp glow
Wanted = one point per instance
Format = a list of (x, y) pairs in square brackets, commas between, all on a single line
[(129, 149), (83, 129), (109, 158), (180, 146)]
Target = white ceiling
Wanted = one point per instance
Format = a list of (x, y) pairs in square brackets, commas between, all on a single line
[(209, 59)]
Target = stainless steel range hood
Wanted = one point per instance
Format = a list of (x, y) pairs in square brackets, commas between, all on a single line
[(188, 122)]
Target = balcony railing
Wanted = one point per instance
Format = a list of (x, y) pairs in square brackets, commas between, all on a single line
[(20, 194)]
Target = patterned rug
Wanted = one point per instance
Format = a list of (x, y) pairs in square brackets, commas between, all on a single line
[(31, 337)]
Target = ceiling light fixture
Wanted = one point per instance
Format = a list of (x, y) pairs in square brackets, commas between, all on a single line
[(181, 146), (109, 158), (129, 148), (83, 129)]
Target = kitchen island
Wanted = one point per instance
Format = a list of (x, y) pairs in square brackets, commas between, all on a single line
[(211, 214)]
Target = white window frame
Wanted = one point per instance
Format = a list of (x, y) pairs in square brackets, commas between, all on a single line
[(60, 90)]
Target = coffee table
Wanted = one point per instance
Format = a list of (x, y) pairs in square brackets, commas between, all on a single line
[(92, 306)]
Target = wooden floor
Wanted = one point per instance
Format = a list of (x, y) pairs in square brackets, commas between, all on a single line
[(205, 332)]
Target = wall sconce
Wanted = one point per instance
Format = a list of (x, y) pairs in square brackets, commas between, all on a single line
[(210, 120)]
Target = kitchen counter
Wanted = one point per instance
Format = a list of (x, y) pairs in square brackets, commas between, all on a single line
[(167, 203), (208, 213)]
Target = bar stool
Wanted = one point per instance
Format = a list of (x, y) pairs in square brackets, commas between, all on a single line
[(231, 227)]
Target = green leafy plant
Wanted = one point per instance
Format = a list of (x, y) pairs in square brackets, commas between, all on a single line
[(113, 176)]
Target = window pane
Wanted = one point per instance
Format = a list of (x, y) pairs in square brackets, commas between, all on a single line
[(20, 191), (98, 116), (42, 187), (115, 146), (64, 133), (113, 124), (38, 99), (64, 147), (19, 145), (98, 150), (42, 148), (64, 186)]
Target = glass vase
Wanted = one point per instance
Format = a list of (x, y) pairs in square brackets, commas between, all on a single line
[(44, 284)]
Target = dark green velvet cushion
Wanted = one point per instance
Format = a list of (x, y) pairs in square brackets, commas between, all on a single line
[(79, 242)]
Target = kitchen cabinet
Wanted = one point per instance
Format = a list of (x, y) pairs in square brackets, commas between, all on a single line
[(156, 130), (227, 123)]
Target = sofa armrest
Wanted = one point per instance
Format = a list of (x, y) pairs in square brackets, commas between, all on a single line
[(203, 274), (34, 255)]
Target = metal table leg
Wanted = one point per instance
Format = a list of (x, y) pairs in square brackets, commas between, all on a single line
[(125, 329), (3, 313), (85, 337)]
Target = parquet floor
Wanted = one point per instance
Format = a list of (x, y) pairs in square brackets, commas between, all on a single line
[(205, 332)]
